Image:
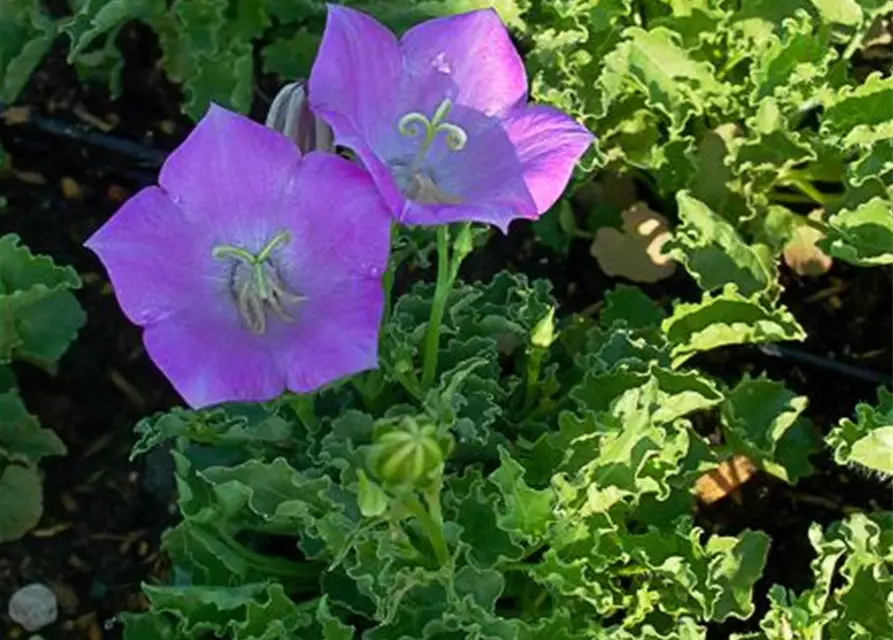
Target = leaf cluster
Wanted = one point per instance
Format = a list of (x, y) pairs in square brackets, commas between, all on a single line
[(39, 317), (757, 110), (546, 488)]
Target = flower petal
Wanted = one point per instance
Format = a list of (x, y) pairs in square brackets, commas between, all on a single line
[(209, 360), (485, 176), (227, 173), (548, 144), (336, 260), (354, 81), (158, 261), (468, 58), (335, 336), (339, 224)]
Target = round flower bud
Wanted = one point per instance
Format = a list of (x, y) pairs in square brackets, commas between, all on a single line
[(406, 451)]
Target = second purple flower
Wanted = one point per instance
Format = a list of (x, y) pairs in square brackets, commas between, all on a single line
[(440, 118)]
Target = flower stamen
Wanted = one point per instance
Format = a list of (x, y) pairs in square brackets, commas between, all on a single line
[(415, 124), (256, 284)]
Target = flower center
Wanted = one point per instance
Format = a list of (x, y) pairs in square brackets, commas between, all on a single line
[(256, 285), (417, 183)]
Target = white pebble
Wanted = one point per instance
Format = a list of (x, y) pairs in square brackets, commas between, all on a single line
[(33, 607)]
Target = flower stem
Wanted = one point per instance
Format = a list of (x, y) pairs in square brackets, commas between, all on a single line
[(802, 184), (433, 529), (305, 573), (534, 364), (389, 274), (438, 306)]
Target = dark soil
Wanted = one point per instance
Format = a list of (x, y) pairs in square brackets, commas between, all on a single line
[(99, 535)]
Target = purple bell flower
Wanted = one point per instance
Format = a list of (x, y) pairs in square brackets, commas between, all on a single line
[(252, 269), (440, 118)]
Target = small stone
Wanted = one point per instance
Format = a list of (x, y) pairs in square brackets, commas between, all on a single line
[(33, 607)]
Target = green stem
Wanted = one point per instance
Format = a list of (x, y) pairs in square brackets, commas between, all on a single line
[(280, 567), (804, 186), (534, 363), (438, 306), (389, 275), (433, 529)]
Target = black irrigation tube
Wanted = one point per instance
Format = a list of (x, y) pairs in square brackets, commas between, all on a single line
[(821, 362), (143, 156), (148, 157)]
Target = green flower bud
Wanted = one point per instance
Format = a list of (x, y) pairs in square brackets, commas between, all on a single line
[(407, 451), (543, 334)]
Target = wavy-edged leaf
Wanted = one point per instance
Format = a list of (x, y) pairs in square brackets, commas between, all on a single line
[(39, 317), (726, 319), (862, 236), (21, 434), (714, 253), (631, 306), (526, 512), (866, 440), (26, 33), (852, 109), (21, 499), (762, 419), (678, 393)]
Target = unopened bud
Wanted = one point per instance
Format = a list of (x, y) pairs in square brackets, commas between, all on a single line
[(291, 116), (408, 451), (543, 334)]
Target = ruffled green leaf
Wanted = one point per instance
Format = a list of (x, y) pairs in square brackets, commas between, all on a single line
[(714, 253), (867, 440), (39, 317), (763, 420), (862, 236), (21, 499), (26, 33), (21, 435), (726, 319), (526, 513)]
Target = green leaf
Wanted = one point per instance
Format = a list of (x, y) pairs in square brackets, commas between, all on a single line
[(332, 627), (714, 253), (372, 499), (475, 504), (291, 57), (862, 236), (852, 588), (715, 580), (867, 440), (678, 393), (226, 78), (632, 306), (96, 18), (21, 499), (526, 512), (726, 319), (21, 434), (794, 65), (253, 428), (758, 418), (147, 626), (26, 33), (854, 108), (249, 611), (39, 317), (675, 84)]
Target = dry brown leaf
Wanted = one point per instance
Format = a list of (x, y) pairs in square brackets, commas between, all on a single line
[(730, 474), (635, 253), (801, 253)]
